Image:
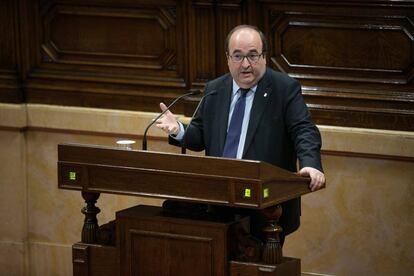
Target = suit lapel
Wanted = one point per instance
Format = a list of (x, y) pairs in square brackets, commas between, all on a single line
[(223, 110), (261, 98)]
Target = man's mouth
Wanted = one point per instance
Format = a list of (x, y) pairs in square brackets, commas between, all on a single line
[(246, 72)]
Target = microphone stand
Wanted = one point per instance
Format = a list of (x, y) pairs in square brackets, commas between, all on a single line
[(144, 138), (183, 143)]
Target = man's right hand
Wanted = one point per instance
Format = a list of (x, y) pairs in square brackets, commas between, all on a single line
[(167, 122)]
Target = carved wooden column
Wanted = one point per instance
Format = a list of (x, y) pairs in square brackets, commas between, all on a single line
[(272, 251), (90, 225)]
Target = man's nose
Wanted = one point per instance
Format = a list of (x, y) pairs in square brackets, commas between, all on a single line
[(245, 62)]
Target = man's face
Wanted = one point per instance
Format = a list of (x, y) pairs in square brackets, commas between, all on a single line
[(246, 42)]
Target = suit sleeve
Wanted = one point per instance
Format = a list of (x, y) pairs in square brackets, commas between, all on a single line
[(303, 132)]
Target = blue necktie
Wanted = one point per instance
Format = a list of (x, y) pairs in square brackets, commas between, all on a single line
[(236, 122)]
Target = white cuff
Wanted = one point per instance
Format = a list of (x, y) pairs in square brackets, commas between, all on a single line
[(180, 134)]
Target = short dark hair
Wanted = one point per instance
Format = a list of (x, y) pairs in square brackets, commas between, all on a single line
[(262, 37)]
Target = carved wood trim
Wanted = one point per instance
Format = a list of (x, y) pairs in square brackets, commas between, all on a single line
[(91, 46), (354, 59), (314, 47), (80, 259), (10, 88), (54, 47)]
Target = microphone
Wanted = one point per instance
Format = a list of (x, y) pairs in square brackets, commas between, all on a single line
[(183, 143), (144, 138)]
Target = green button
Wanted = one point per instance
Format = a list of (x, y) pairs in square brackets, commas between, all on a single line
[(247, 193), (265, 192), (72, 176)]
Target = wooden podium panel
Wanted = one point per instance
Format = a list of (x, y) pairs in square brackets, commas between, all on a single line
[(213, 180), (95, 260), (152, 243), (289, 267)]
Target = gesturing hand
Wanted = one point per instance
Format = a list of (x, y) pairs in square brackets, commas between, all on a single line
[(317, 177), (167, 123)]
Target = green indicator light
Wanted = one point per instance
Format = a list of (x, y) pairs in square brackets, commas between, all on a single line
[(265, 192), (72, 176), (247, 193)]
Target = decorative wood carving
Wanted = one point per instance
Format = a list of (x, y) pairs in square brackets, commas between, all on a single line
[(10, 90), (84, 36), (272, 251), (93, 259), (152, 243), (354, 59), (90, 228), (80, 259), (109, 52), (331, 51), (210, 21)]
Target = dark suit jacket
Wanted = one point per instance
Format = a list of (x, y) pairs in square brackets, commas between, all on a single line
[(280, 130)]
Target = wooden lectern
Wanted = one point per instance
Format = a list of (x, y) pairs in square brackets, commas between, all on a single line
[(148, 240)]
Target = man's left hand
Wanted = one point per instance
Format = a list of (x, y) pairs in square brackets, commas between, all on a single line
[(317, 178)]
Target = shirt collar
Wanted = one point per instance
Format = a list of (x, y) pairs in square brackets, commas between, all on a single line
[(236, 88)]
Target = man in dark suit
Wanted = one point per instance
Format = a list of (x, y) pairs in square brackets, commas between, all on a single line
[(254, 113)]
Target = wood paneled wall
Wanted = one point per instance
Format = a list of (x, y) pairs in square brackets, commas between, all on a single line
[(354, 59)]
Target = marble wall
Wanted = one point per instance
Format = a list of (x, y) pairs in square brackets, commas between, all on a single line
[(362, 223), (13, 204)]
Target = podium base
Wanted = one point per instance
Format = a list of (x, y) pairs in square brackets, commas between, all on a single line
[(150, 242), (288, 267)]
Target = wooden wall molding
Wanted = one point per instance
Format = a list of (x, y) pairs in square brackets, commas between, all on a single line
[(209, 23), (354, 59), (115, 44), (82, 36), (378, 55), (10, 87)]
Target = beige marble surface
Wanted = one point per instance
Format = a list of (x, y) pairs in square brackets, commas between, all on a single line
[(361, 224), (13, 115), (13, 203), (370, 141), (12, 258)]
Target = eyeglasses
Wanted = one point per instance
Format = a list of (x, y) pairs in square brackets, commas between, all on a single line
[(252, 58)]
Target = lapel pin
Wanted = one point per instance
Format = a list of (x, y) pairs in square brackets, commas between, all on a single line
[(265, 95)]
